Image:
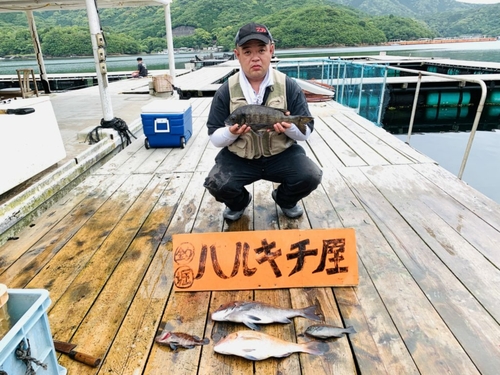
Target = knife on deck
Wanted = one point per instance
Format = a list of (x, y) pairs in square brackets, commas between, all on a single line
[(17, 111), (67, 348)]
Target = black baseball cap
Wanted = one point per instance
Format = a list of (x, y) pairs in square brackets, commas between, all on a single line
[(253, 31)]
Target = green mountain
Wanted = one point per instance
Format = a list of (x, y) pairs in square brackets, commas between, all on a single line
[(420, 9), (204, 23)]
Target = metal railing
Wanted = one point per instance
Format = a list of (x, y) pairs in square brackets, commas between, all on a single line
[(342, 74)]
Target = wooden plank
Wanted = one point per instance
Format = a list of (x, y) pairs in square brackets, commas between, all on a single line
[(129, 352), (486, 208), (377, 345), (278, 297), (388, 138), (103, 321), (363, 150), (75, 302), (207, 160), (76, 253), (200, 139), (39, 255), (378, 144), (121, 159), (176, 157), (377, 342), (155, 158), (340, 149), (177, 317), (453, 245), (463, 313), (13, 249), (317, 146), (409, 307)]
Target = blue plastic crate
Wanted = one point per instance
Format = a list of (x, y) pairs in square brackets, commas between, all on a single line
[(28, 313), (167, 123)]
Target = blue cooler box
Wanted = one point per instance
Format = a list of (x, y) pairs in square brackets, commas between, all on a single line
[(167, 123)]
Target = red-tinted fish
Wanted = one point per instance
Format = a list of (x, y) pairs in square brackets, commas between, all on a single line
[(253, 313), (257, 346), (180, 340)]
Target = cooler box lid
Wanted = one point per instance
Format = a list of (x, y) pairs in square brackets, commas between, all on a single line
[(166, 106)]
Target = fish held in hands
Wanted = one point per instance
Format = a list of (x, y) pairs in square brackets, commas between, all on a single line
[(180, 340), (325, 331), (261, 118), (253, 313), (257, 346)]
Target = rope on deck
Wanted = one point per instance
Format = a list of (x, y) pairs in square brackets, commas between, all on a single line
[(117, 124)]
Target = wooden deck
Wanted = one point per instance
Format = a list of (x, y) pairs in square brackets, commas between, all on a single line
[(428, 300)]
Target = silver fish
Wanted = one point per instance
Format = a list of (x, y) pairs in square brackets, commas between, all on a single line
[(325, 331), (257, 346), (180, 340), (253, 313), (261, 118)]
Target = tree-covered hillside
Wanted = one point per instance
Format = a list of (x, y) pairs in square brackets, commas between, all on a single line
[(294, 23), (420, 9)]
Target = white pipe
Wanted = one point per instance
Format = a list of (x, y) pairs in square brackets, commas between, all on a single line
[(38, 51), (102, 77), (170, 42)]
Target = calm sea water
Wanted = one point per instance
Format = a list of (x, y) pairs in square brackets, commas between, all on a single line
[(482, 170), (482, 51)]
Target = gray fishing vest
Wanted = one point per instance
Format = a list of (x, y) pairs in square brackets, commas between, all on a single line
[(250, 145)]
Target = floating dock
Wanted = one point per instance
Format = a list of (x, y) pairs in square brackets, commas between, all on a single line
[(427, 244)]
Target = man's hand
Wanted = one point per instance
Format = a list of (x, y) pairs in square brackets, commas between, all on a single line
[(280, 127), (239, 130)]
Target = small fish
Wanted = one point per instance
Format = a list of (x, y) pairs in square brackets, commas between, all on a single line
[(325, 331), (257, 346), (253, 313), (180, 340), (261, 118)]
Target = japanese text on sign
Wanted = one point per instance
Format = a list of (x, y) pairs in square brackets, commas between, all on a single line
[(265, 259)]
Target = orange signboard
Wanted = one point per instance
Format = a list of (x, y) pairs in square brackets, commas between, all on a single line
[(265, 259)]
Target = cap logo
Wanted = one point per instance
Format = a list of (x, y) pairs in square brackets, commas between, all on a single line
[(260, 29)]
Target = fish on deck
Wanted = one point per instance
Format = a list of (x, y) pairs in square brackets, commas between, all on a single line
[(180, 340), (261, 118), (257, 346), (253, 313), (325, 331)]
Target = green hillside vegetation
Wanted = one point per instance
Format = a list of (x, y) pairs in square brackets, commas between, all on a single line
[(293, 23), (483, 21), (420, 9)]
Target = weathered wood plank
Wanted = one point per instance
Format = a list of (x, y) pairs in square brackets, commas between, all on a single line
[(278, 297), (392, 141), (487, 209), (156, 157), (363, 150), (129, 352), (121, 159), (74, 256), (40, 254), (454, 295), (13, 249), (377, 345), (378, 144), (101, 324), (199, 143), (177, 316), (431, 344), (340, 149), (86, 286), (452, 246)]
